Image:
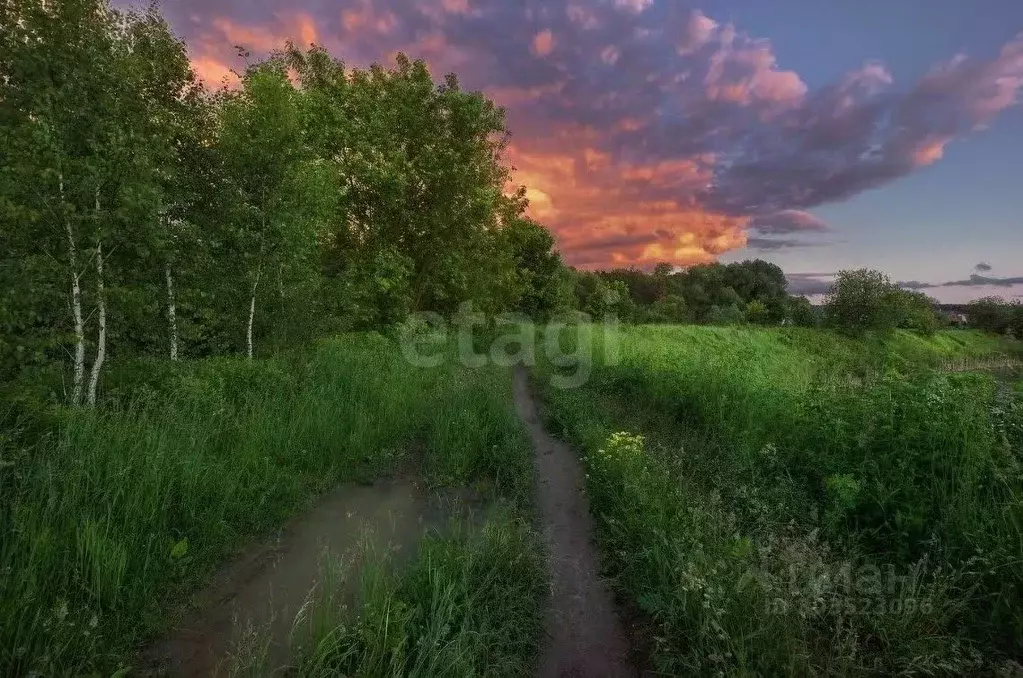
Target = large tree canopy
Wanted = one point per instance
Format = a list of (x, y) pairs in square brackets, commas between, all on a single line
[(145, 214)]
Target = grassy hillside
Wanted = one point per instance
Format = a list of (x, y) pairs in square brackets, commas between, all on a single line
[(785, 500)]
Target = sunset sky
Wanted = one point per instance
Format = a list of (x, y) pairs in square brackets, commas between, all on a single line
[(818, 135)]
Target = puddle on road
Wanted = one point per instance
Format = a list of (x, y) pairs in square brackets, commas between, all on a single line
[(264, 589)]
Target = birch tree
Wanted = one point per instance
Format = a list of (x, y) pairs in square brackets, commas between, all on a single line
[(57, 85), (280, 187), (172, 112)]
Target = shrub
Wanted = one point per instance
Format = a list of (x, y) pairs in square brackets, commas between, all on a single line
[(757, 312), (1016, 321), (802, 313), (862, 301), (990, 314), (917, 311), (725, 315)]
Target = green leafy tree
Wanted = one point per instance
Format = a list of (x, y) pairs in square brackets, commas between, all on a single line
[(174, 118), (539, 273), (725, 315), (759, 281), (802, 313), (77, 171), (991, 314), (281, 192), (918, 312), (669, 309), (418, 166), (757, 312), (601, 298), (1016, 321), (864, 300)]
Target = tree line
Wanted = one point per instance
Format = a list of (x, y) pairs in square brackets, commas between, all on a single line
[(750, 291), (146, 214), (996, 315), (756, 292)]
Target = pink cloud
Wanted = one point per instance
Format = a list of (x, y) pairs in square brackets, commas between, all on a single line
[(648, 130), (581, 16), (543, 43)]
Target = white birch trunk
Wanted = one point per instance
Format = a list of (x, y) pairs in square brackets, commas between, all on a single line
[(172, 314), (76, 308), (101, 342), (252, 309)]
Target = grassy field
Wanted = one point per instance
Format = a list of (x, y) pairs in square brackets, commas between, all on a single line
[(790, 501), (768, 501), (112, 516)]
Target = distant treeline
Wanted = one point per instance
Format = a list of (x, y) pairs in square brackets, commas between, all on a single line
[(751, 291), (757, 292)]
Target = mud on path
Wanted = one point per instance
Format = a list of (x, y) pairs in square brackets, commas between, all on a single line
[(263, 590), (586, 635)]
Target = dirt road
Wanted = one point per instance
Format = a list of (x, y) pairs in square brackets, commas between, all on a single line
[(587, 637)]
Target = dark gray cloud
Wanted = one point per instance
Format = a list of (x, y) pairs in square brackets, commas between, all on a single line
[(915, 285), (982, 267), (775, 244), (980, 280), (973, 281), (787, 221), (810, 284)]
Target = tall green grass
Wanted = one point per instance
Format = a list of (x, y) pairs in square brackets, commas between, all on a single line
[(466, 606), (804, 503), (108, 516)]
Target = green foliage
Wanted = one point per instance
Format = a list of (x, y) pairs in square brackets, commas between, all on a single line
[(603, 298), (1016, 322), (467, 606), (990, 314), (541, 280), (864, 301), (857, 302), (802, 313), (714, 294), (311, 198), (794, 501), (668, 309), (918, 312), (108, 515), (757, 312), (731, 314)]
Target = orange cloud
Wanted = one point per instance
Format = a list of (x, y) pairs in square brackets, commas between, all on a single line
[(212, 71), (606, 213), (255, 38), (635, 150), (929, 152), (543, 43), (212, 52)]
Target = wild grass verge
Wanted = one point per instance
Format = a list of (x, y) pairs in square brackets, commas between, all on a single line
[(465, 606), (769, 514), (110, 515)]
